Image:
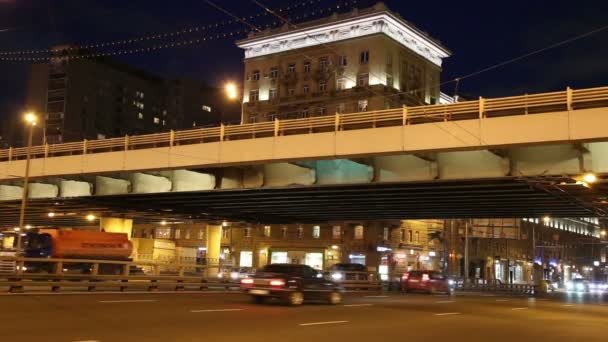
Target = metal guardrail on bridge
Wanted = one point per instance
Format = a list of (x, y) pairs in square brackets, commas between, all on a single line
[(482, 108)]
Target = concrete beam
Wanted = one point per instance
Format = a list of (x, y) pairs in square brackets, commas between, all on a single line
[(471, 164), (404, 168), (10, 192), (71, 188), (143, 183), (545, 160), (41, 190), (285, 174), (599, 151), (232, 178), (185, 180), (253, 177), (340, 171), (111, 186)]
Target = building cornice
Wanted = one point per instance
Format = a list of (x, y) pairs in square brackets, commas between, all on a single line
[(376, 23)]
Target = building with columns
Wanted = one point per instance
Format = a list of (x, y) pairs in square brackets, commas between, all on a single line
[(363, 60)]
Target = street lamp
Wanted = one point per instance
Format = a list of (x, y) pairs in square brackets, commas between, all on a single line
[(91, 217), (232, 93), (589, 178), (31, 120)]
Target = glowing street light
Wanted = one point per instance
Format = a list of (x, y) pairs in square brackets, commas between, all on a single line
[(51, 214), (231, 91), (31, 119), (163, 223), (603, 233), (589, 178), (546, 219), (91, 217)]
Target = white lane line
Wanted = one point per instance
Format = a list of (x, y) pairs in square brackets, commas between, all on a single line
[(321, 323), (353, 305), (88, 341), (502, 300), (129, 301), (567, 305), (445, 301), (216, 310), (447, 314), (375, 296), (519, 308)]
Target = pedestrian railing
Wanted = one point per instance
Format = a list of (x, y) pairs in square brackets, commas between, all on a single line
[(568, 100), (501, 288)]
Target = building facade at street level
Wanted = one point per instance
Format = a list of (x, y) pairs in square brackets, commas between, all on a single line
[(499, 249), (96, 98), (367, 59)]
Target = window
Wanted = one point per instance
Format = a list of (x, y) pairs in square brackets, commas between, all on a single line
[(316, 232), (305, 88), (363, 80), (246, 259), (321, 111), (273, 93), (193, 123), (300, 232), (267, 231), (389, 80), (322, 86), (409, 236), (156, 120), (341, 84), (291, 91), (101, 136), (358, 232), (274, 72), (304, 113), (291, 68), (362, 105), (201, 234), (255, 75), (162, 233), (164, 122), (284, 232), (178, 234), (307, 67), (336, 232), (164, 113), (187, 234), (247, 232), (254, 95), (225, 233), (340, 108), (342, 61), (140, 116), (253, 118), (323, 63), (206, 109), (272, 116), (385, 234), (364, 57), (417, 235)]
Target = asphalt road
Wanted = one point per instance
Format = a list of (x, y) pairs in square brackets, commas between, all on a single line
[(232, 317)]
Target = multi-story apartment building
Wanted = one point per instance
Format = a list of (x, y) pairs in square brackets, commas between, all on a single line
[(368, 59), (96, 98)]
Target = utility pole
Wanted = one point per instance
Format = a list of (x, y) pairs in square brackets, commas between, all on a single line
[(31, 120)]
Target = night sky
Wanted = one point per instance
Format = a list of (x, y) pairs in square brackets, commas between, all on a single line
[(479, 33)]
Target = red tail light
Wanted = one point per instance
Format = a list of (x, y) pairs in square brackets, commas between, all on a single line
[(425, 277), (247, 281), (277, 282), (405, 276)]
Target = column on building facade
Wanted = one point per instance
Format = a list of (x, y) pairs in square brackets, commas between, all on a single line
[(214, 241)]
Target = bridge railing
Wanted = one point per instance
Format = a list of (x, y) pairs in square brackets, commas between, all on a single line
[(506, 106)]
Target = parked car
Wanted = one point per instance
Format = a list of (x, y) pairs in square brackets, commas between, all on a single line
[(292, 284), (426, 281)]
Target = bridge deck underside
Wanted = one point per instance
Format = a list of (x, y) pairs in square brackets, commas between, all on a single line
[(438, 199)]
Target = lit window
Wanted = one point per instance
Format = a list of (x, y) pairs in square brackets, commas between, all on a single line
[(225, 233), (187, 234), (291, 68), (340, 108), (358, 232), (274, 72), (305, 88), (284, 232), (267, 231), (164, 123), (336, 232), (254, 95), (291, 91), (341, 84), (306, 67), (193, 123), (246, 259), (140, 116), (206, 108), (201, 234), (385, 234), (156, 120), (323, 63), (417, 237), (255, 75), (178, 234), (247, 232), (362, 105), (300, 232), (364, 57), (101, 136), (273, 93), (321, 111), (322, 86), (343, 61), (409, 236), (316, 232), (162, 233), (363, 80)]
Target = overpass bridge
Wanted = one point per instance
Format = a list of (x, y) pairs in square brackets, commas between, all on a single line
[(498, 157)]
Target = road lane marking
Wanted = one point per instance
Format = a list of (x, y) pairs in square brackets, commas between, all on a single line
[(502, 300), (216, 310), (445, 301), (519, 308), (447, 314), (375, 296), (568, 305), (352, 305), (129, 301), (321, 323)]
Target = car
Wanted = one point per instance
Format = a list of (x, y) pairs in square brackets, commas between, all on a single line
[(234, 275), (425, 281), (578, 285), (345, 271), (292, 284)]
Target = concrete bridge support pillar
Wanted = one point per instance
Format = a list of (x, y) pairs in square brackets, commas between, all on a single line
[(111, 186), (10, 192), (41, 190), (70, 188), (340, 171), (285, 174), (116, 225), (185, 180), (214, 240), (143, 183), (405, 168)]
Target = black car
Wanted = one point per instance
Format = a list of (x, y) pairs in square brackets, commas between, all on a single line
[(292, 284)]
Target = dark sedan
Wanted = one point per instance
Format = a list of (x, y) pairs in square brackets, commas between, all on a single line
[(292, 284)]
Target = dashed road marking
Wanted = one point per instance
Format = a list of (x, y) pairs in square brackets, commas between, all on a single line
[(519, 308), (567, 305), (321, 323), (375, 296), (353, 305), (216, 310), (502, 300), (445, 301), (447, 314), (129, 301)]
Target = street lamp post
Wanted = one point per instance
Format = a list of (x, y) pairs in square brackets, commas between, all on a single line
[(30, 119)]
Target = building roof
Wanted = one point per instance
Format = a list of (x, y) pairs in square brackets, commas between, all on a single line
[(339, 27)]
